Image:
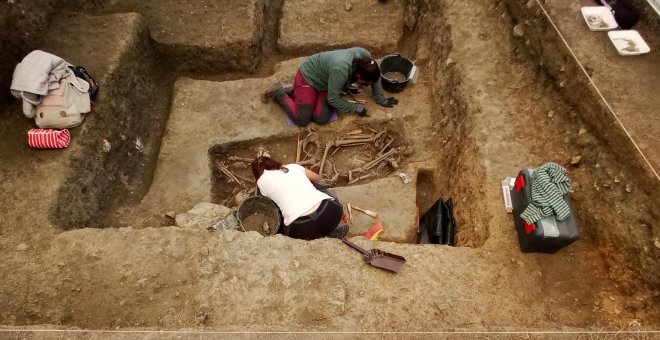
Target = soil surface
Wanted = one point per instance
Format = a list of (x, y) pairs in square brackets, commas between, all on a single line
[(498, 91)]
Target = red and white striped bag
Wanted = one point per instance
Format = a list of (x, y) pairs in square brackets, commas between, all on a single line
[(49, 138)]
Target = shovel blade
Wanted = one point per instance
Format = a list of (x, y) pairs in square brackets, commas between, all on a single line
[(384, 260)]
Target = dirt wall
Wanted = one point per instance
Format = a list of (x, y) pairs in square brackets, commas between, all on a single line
[(120, 139), (625, 226), (238, 56)]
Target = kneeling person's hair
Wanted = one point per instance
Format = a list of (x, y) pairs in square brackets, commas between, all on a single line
[(367, 69)]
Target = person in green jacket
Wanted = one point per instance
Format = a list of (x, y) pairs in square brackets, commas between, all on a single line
[(321, 79)]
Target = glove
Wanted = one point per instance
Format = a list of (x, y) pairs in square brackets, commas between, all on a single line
[(363, 112), (390, 102)]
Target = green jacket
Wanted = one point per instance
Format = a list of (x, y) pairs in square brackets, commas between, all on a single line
[(332, 71)]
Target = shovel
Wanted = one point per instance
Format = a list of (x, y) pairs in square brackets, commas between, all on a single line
[(378, 258)]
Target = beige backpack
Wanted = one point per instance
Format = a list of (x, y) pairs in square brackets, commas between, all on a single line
[(64, 107)]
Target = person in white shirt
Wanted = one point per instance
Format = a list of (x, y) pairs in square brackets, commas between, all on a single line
[(308, 212)]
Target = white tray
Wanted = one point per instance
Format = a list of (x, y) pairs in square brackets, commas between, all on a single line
[(598, 18), (628, 42)]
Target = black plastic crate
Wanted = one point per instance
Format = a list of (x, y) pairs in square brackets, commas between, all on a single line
[(547, 235)]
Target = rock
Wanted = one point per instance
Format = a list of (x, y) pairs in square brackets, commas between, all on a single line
[(201, 317), (193, 221), (616, 180), (170, 214), (210, 210), (582, 131), (518, 31), (202, 216), (348, 7), (266, 226), (656, 242), (22, 247), (229, 236), (106, 146), (628, 188), (575, 160), (551, 113)]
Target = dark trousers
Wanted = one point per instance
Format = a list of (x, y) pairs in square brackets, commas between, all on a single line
[(307, 103), (317, 224)]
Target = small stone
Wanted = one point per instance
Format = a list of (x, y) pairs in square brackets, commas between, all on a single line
[(562, 84), (575, 160), (229, 236), (518, 31), (106, 146), (582, 131), (201, 318), (348, 7), (61, 264), (616, 180), (170, 214), (22, 247), (656, 242), (551, 113), (628, 188), (266, 226)]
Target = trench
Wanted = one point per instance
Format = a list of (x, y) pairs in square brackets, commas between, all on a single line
[(466, 164), (469, 145)]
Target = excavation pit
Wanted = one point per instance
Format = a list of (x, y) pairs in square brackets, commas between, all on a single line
[(356, 156), (495, 94)]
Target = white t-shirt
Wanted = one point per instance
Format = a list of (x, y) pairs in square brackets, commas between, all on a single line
[(292, 191)]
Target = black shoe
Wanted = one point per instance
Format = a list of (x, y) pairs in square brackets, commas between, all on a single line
[(340, 232)]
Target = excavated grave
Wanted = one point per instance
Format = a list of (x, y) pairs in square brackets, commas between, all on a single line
[(384, 192), (312, 26)]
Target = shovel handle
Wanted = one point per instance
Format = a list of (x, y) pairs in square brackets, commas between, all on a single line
[(355, 246)]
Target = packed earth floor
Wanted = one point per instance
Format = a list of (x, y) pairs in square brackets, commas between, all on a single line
[(109, 233)]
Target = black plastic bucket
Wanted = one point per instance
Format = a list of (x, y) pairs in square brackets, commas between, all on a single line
[(395, 63), (260, 214)]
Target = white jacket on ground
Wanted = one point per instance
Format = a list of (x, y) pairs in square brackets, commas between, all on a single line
[(38, 73)]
